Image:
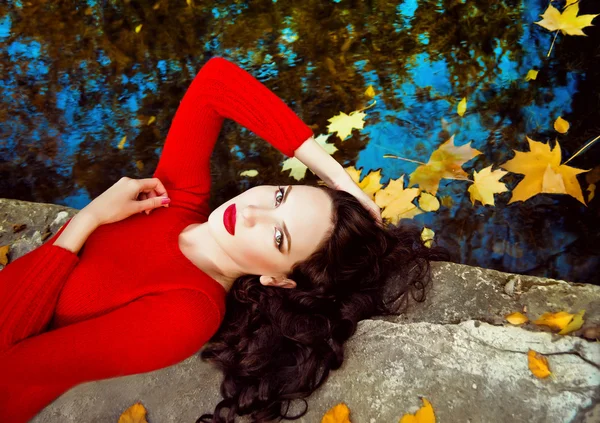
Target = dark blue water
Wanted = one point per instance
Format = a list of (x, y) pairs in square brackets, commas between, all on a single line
[(76, 78)]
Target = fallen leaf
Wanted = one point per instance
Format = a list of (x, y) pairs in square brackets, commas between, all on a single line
[(337, 414), (427, 236), (516, 318), (151, 120), (531, 75), (485, 184), (591, 189), (445, 162), (538, 364), (428, 202), (566, 22), (370, 92), (249, 173), (370, 184), (139, 164), (534, 164), (138, 28), (561, 125), (574, 324), (558, 320), (4, 254), (397, 201), (423, 415), (343, 124), (298, 169), (134, 414), (462, 107), (447, 201), (122, 143)]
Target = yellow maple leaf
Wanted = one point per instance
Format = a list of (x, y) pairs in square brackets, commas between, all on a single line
[(574, 324), (531, 75), (558, 320), (428, 202), (543, 173), (370, 184), (567, 22), (370, 92), (343, 124), (516, 318), (538, 364), (134, 414), (251, 173), (339, 413), (397, 201), (423, 415), (561, 125), (445, 162), (298, 169), (462, 107), (485, 184), (427, 236)]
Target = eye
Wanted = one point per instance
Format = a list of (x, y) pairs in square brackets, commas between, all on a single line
[(279, 195), (278, 239), (278, 199)]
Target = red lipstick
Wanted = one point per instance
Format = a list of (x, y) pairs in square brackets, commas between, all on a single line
[(229, 219)]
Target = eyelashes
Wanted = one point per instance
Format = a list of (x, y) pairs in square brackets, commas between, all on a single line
[(278, 199)]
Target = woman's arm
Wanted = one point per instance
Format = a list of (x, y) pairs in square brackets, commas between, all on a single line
[(78, 231), (149, 333)]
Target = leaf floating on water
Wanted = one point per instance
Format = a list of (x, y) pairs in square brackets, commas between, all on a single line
[(397, 201), (423, 415), (445, 162), (138, 28), (561, 125), (298, 169), (531, 75), (516, 318), (462, 107), (151, 120), (134, 414), (591, 189), (447, 201), (566, 22), (486, 184), (139, 164), (343, 124), (428, 202), (538, 364), (249, 173), (558, 320), (337, 414), (370, 92), (122, 143), (534, 164), (4, 254), (427, 237), (370, 184), (574, 324)]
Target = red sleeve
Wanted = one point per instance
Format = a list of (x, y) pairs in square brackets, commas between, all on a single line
[(222, 90), (150, 333), (29, 290)]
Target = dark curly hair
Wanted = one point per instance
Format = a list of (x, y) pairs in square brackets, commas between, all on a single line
[(276, 345)]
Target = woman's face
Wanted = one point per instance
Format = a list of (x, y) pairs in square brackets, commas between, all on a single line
[(275, 227)]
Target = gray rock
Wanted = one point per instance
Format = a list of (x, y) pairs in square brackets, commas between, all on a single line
[(455, 349)]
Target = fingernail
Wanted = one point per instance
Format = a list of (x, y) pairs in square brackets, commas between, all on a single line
[(146, 211), (165, 201)]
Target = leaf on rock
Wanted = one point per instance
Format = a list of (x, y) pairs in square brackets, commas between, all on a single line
[(134, 414), (462, 107), (567, 22), (423, 415), (531, 75), (370, 184), (251, 173), (4, 254), (486, 184), (558, 320), (445, 162), (427, 236), (516, 318), (539, 179), (561, 125), (298, 169), (343, 124), (337, 414), (538, 364), (574, 324), (428, 202), (397, 201)]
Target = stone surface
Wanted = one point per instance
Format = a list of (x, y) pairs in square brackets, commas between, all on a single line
[(455, 349)]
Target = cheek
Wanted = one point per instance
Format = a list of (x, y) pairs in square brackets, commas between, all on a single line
[(254, 258)]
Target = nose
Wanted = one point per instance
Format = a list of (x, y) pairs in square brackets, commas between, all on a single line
[(253, 215)]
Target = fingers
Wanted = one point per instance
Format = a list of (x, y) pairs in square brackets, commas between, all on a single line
[(150, 184), (152, 203)]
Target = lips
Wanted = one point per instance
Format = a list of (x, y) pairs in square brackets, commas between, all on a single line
[(229, 219)]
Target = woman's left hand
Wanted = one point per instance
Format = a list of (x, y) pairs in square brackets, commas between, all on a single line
[(121, 200)]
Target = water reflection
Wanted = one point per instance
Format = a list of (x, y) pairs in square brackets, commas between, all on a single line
[(77, 78)]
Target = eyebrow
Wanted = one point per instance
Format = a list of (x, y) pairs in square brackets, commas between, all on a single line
[(285, 229)]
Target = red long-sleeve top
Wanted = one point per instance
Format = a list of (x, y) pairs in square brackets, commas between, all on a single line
[(130, 301)]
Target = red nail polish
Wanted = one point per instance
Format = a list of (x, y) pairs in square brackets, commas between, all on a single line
[(165, 201)]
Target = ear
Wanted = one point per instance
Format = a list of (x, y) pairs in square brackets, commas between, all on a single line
[(281, 282)]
